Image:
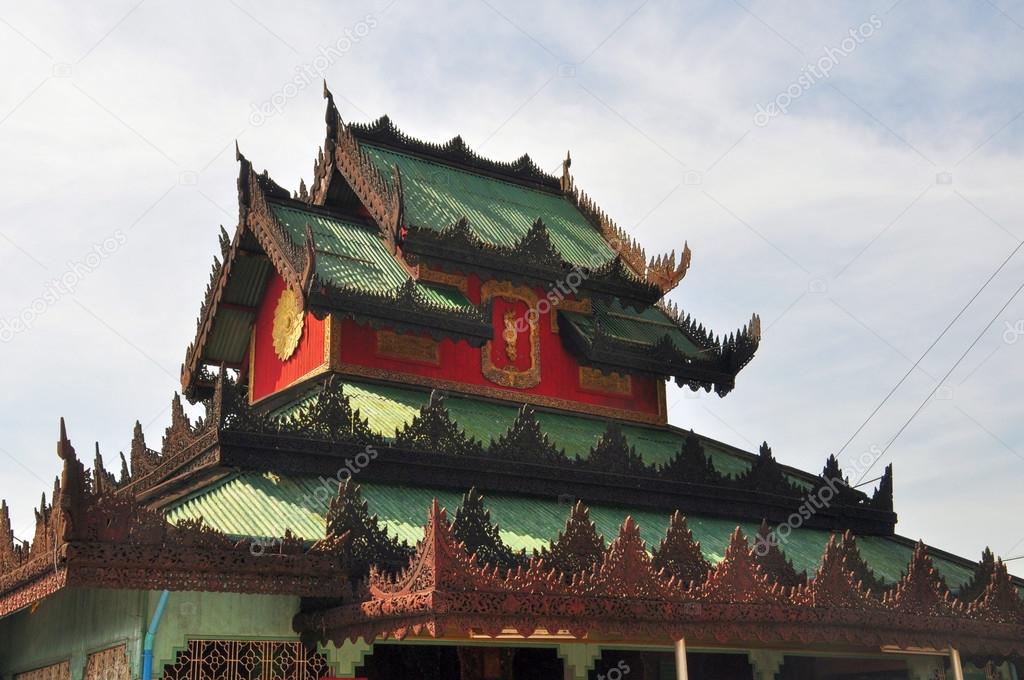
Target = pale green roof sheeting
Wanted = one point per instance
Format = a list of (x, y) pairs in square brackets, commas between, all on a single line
[(265, 504)]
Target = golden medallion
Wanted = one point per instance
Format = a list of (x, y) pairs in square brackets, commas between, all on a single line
[(289, 320)]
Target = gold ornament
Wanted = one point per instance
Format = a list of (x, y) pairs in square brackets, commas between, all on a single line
[(510, 335), (289, 321)]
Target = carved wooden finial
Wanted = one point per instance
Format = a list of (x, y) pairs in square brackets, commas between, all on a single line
[(64, 449), (566, 180)]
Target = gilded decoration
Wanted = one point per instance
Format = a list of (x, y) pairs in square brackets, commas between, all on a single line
[(289, 321), (611, 383), (510, 376), (510, 336), (108, 664), (408, 347)]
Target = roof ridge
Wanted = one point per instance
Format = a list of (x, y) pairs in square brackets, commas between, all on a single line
[(455, 151)]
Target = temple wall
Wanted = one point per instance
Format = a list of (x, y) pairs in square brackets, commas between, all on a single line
[(70, 625), (219, 616)]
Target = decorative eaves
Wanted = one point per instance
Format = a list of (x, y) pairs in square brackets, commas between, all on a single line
[(444, 592)]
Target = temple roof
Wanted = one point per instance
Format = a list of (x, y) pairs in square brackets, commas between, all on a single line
[(382, 203), (264, 505), (498, 211), (391, 408)]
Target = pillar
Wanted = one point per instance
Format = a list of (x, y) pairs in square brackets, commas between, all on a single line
[(954, 661), (578, 659), (766, 663), (680, 650), (346, 658)]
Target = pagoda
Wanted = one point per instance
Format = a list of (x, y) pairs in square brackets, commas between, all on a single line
[(435, 444)]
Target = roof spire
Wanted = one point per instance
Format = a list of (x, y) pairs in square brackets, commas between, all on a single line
[(566, 181)]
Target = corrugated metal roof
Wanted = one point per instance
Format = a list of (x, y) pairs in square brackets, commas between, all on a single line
[(646, 327), (264, 505), (499, 212), (388, 408), (350, 255)]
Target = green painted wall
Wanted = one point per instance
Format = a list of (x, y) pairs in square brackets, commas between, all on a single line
[(222, 616), (69, 626)]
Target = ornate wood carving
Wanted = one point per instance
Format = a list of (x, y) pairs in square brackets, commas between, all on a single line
[(922, 591), (108, 664), (249, 659), (526, 442), (691, 464), (434, 430), (679, 555), (882, 498), (980, 579), (613, 382), (766, 475), (579, 548), (716, 365), (57, 671), (382, 132), (855, 563), (104, 538), (368, 543), (613, 453), (492, 392), (330, 417), (769, 556), (509, 376), (473, 528), (835, 585), (445, 592)]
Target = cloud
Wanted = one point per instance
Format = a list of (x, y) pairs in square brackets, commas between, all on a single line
[(842, 190)]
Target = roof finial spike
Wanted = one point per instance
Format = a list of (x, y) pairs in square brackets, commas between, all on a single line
[(566, 183), (64, 449)]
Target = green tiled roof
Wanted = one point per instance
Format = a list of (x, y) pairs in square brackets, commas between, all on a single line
[(352, 256), (264, 505), (388, 408), (499, 212), (645, 327)]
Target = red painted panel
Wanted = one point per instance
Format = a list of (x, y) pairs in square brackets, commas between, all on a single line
[(462, 363), (270, 374)]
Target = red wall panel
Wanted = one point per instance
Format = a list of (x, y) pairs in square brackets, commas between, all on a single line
[(269, 373)]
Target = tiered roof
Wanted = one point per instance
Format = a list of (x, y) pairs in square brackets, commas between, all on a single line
[(243, 500), (382, 204)]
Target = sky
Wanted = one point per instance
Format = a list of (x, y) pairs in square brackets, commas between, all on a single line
[(850, 171)]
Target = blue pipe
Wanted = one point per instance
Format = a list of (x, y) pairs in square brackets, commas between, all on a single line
[(147, 643)]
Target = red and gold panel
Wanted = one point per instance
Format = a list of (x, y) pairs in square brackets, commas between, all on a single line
[(288, 345), (525, 359), (512, 358), (461, 367)]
